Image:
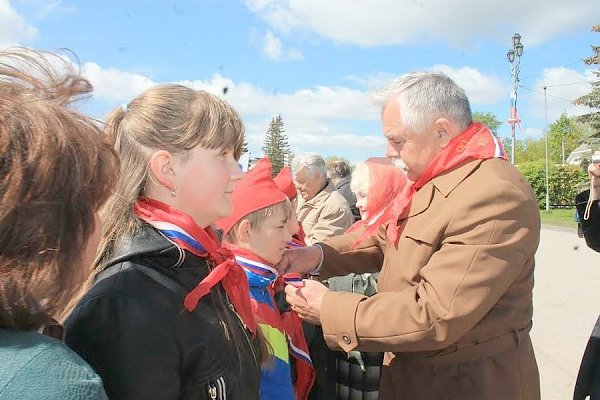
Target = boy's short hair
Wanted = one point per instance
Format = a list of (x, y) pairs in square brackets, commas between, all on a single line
[(257, 218)]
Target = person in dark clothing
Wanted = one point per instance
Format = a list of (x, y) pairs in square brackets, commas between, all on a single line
[(339, 172), (167, 313), (588, 213)]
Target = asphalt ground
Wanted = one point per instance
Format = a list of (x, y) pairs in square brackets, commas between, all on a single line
[(566, 304)]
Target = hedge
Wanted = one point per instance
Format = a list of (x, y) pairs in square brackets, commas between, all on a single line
[(563, 182)]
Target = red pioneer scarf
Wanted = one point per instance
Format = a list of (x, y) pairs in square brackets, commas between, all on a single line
[(475, 143), (183, 230)]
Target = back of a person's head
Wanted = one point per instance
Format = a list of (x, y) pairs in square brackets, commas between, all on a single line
[(55, 173), (170, 117), (338, 169)]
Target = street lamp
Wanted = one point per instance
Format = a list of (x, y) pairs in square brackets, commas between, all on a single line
[(546, 151), (514, 58)]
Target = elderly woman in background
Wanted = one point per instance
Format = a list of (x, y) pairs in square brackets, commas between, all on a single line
[(355, 375), (55, 172), (322, 211)]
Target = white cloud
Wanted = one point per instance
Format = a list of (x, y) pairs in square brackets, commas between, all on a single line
[(334, 120), (385, 22), (273, 49), (13, 27), (114, 84), (316, 119), (480, 88), (563, 85)]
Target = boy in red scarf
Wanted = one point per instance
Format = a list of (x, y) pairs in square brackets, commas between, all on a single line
[(257, 232)]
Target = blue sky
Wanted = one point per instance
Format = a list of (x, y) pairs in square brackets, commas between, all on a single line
[(314, 61)]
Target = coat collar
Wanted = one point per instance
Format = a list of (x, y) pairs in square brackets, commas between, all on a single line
[(321, 196), (343, 181), (445, 183)]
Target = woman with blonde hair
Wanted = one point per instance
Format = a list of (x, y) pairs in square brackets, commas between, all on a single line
[(167, 313), (55, 173)]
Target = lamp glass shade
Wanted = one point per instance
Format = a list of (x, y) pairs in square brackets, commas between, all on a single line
[(516, 39), (519, 49), (510, 55)]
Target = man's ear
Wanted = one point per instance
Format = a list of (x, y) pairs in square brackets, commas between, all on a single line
[(444, 131), (162, 169)]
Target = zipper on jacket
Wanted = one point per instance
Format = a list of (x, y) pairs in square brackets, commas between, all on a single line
[(216, 389), (245, 331), (212, 391)]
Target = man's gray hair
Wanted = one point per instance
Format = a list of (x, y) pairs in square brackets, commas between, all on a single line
[(425, 96), (312, 163)]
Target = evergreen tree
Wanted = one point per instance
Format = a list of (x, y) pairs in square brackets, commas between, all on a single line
[(276, 145), (592, 99)]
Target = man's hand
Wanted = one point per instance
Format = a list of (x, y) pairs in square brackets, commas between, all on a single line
[(302, 260), (306, 301)]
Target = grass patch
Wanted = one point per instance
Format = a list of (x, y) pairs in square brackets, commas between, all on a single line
[(559, 217)]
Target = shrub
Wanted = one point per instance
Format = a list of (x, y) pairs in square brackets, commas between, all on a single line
[(563, 181)]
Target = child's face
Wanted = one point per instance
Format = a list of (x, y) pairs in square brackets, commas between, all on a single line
[(270, 240), (204, 184), (361, 203)]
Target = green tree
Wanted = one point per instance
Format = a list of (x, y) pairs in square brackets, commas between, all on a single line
[(563, 136), (489, 120), (530, 150), (592, 99), (276, 145)]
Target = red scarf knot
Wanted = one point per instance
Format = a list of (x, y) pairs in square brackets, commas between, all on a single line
[(182, 230)]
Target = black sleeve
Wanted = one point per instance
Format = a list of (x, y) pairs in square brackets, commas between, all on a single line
[(133, 351), (590, 227)]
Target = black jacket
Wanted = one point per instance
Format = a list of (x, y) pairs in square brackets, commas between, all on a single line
[(131, 327), (588, 378), (343, 186)]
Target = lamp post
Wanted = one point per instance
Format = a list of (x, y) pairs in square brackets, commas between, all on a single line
[(514, 58), (546, 145)]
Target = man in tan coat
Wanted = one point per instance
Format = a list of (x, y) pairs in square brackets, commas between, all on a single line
[(454, 307), (322, 210)]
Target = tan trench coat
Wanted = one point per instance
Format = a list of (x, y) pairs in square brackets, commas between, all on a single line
[(325, 215), (454, 307)]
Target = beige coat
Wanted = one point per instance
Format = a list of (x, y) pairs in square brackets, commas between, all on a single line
[(325, 215), (454, 307)]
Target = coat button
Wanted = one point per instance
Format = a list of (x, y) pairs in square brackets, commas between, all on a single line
[(346, 339)]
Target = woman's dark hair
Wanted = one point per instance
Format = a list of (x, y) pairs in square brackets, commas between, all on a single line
[(55, 173)]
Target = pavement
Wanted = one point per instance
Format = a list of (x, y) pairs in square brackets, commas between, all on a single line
[(566, 301)]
